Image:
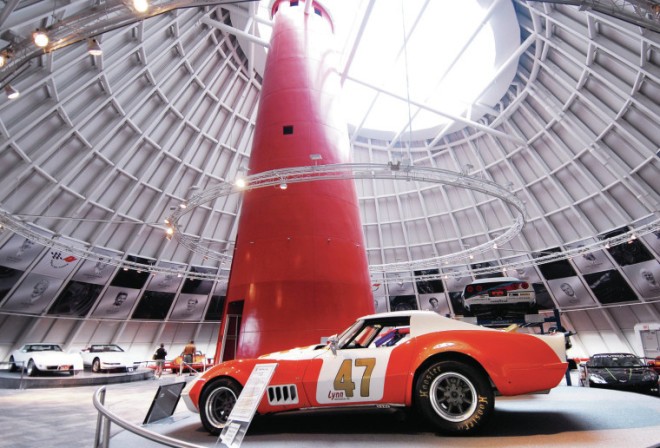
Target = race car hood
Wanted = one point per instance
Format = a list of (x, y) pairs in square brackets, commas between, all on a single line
[(298, 353)]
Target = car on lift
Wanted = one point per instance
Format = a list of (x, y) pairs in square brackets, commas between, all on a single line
[(499, 297), (44, 357), (107, 357), (623, 371), (448, 370)]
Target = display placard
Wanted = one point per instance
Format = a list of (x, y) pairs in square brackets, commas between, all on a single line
[(246, 406)]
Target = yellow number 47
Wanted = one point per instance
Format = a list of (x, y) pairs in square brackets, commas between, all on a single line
[(344, 378)]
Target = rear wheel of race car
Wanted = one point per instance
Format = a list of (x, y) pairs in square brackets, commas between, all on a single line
[(216, 402), (455, 397), (31, 368), (96, 365), (12, 365)]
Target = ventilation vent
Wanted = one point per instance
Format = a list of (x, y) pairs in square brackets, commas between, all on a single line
[(287, 130), (286, 394)]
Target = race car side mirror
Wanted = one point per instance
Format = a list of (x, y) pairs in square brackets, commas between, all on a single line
[(333, 342)]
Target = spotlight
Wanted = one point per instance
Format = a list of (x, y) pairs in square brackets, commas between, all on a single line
[(183, 205), (5, 55), (167, 221), (494, 245), (283, 186), (93, 47), (141, 5), (240, 182), (169, 231), (11, 92), (40, 38)]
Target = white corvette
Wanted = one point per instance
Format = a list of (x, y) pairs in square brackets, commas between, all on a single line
[(44, 357), (108, 357)]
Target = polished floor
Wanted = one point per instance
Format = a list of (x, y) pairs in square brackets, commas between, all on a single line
[(568, 416)]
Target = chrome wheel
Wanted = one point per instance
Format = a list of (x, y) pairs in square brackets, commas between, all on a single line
[(453, 396)]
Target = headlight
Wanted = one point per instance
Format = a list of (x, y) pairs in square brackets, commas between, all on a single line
[(597, 379)]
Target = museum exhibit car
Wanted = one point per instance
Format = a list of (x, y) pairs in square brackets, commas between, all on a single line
[(446, 369), (106, 357), (43, 357), (623, 371), (499, 297), (199, 363)]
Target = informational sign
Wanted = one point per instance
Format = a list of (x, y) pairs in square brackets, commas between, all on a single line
[(246, 406)]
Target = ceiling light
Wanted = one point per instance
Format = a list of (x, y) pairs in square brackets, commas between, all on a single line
[(5, 55), (141, 5), (11, 92), (283, 186), (240, 182), (169, 231), (40, 38), (183, 205), (93, 47)]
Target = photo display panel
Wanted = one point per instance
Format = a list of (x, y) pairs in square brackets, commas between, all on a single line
[(527, 274), (570, 292), (189, 307), (132, 278), (435, 302), (456, 282), (76, 299), (198, 286), (97, 271), (397, 286), (379, 292), (543, 298), (167, 282), (610, 287), (154, 305), (555, 269), (653, 241), (645, 277), (403, 303), (8, 278), (632, 252), (58, 263), (215, 309), (33, 294), (116, 303), (19, 252), (428, 286), (485, 264), (456, 301)]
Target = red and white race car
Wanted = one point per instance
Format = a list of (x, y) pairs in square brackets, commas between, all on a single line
[(448, 370)]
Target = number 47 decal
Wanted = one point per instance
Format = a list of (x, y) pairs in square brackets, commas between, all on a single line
[(344, 377)]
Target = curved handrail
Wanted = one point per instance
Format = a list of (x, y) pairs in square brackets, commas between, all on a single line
[(135, 429)]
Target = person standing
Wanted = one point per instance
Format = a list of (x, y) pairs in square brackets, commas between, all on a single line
[(188, 356), (159, 356)]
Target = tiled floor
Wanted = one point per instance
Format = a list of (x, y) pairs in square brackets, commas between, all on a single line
[(568, 416)]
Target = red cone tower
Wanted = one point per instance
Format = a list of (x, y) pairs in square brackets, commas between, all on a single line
[(299, 270)]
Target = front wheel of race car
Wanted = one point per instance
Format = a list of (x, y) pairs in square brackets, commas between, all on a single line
[(453, 396), (216, 402)]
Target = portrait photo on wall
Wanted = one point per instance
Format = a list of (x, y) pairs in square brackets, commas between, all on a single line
[(456, 278), (631, 252), (94, 271), (33, 295), (436, 302), (132, 278), (456, 302), (116, 303), (18, 252), (428, 286), (153, 305), (399, 287), (645, 277), (215, 309), (8, 278), (570, 292), (56, 263), (76, 299), (528, 274), (554, 269), (189, 307), (403, 303), (378, 285), (610, 287), (590, 262)]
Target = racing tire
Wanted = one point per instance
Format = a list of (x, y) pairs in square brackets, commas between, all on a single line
[(12, 365), (455, 397), (96, 365), (216, 402), (31, 368), (72, 372)]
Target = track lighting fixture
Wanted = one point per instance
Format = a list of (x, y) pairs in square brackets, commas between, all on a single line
[(11, 92), (141, 5), (5, 55), (40, 38), (93, 47)]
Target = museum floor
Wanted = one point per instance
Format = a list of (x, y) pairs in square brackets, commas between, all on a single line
[(567, 417)]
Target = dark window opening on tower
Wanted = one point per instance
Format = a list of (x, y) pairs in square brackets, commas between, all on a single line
[(293, 3), (317, 11), (287, 130)]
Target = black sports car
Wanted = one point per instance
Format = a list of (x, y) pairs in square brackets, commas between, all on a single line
[(623, 371)]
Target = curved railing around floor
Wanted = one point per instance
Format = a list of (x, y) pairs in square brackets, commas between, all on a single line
[(106, 418)]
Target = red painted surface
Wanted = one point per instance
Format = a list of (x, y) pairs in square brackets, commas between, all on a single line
[(299, 263)]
